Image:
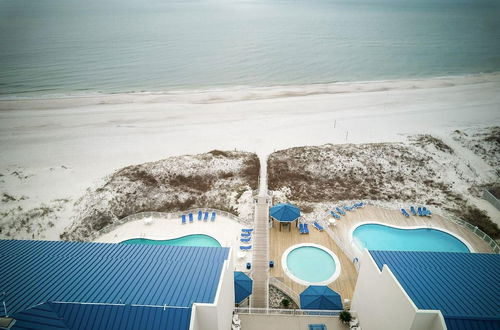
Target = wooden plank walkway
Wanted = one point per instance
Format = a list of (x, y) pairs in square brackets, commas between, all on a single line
[(260, 260)]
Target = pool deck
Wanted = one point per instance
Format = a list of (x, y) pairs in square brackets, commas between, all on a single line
[(280, 241), (344, 285), (369, 213), (224, 230)]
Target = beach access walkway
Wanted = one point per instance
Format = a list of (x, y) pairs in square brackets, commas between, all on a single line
[(260, 259)]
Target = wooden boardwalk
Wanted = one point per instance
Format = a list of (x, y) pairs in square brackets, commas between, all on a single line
[(260, 260)]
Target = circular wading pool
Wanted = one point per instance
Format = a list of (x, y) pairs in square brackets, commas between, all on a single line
[(310, 264)]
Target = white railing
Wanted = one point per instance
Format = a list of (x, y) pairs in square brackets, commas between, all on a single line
[(342, 246), (292, 312), (474, 229), (479, 233), (285, 289)]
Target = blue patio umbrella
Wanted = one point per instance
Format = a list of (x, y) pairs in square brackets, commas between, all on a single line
[(242, 286), (285, 212), (320, 297)]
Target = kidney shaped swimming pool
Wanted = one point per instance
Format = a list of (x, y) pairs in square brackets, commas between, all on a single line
[(381, 237), (189, 240)]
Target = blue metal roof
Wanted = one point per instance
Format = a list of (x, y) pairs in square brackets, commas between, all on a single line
[(34, 272), (77, 316), (464, 286)]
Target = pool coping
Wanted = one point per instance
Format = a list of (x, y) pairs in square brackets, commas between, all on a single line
[(355, 246), (331, 279), (171, 239)]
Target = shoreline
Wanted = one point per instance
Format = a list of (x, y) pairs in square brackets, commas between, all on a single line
[(241, 93), (71, 145)]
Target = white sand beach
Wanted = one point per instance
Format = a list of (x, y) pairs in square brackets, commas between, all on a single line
[(52, 150)]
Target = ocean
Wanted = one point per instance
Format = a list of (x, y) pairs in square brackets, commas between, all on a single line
[(68, 47)]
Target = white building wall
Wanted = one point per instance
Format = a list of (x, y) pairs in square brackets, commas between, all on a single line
[(380, 302), (219, 314)]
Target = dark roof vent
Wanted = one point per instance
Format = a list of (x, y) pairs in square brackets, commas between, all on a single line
[(6, 322)]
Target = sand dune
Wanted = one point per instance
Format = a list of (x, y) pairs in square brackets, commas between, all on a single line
[(60, 147)]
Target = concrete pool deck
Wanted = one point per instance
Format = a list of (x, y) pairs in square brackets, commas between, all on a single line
[(225, 230)]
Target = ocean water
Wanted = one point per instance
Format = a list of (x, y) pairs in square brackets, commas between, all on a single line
[(51, 47)]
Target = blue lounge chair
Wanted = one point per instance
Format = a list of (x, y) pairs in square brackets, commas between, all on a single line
[(428, 213), (205, 217), (246, 234), (213, 216), (339, 210), (306, 229), (247, 230), (199, 215), (419, 211), (301, 228), (347, 208), (190, 217), (245, 247), (412, 210), (405, 213), (335, 215), (183, 217), (318, 226), (245, 240)]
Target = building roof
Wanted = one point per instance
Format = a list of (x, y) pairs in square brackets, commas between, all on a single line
[(35, 272), (463, 286), (76, 316)]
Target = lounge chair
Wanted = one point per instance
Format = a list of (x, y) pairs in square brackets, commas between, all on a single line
[(199, 215), (213, 216), (246, 234), (347, 208), (412, 210), (339, 210), (190, 217), (405, 213), (428, 213), (245, 240), (245, 247), (301, 228), (318, 226), (335, 215), (205, 217), (306, 229), (247, 230), (183, 218), (249, 265), (419, 211)]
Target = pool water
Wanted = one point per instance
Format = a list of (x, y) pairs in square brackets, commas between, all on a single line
[(380, 237), (310, 264), (189, 240)]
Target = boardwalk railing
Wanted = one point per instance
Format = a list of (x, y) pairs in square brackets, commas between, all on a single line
[(479, 233), (342, 246), (167, 216), (293, 312), (285, 289)]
